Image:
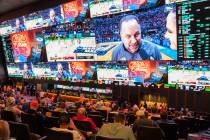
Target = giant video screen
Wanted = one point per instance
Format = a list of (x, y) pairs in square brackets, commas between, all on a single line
[(147, 71), (42, 71), (28, 46), (48, 17), (80, 70), (63, 71), (107, 71), (12, 26), (108, 7), (141, 35), (13, 70), (189, 73), (74, 11), (70, 46)]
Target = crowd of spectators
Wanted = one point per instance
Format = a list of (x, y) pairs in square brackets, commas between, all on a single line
[(45, 105)]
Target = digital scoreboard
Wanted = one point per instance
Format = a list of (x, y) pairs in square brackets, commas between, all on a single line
[(193, 22)]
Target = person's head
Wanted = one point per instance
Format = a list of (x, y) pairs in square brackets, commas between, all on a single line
[(33, 51), (135, 108), (70, 70), (64, 121), (60, 68), (17, 23), (25, 66), (4, 130), (120, 118), (52, 15), (63, 105), (163, 115), (171, 33), (10, 101), (81, 111), (140, 114), (130, 33), (34, 105)]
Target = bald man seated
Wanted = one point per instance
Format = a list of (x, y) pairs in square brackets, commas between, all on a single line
[(81, 117)]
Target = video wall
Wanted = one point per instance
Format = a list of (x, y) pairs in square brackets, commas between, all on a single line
[(138, 72), (190, 75), (65, 71), (106, 91), (75, 10), (125, 42)]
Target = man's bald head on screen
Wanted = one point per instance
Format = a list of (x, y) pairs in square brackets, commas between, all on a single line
[(130, 33)]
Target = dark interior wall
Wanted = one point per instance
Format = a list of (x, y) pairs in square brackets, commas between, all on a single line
[(36, 6), (176, 98)]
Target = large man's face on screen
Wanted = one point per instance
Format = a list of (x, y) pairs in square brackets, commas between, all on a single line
[(17, 23), (131, 35), (60, 69), (171, 33), (52, 15), (25, 67)]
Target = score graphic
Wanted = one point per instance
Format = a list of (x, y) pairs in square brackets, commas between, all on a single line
[(193, 30)]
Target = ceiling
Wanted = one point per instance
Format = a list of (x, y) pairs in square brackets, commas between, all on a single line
[(11, 5)]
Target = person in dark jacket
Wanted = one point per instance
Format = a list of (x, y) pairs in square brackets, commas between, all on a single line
[(132, 46)]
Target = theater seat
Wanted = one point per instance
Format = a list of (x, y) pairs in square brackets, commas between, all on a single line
[(150, 133), (51, 122), (83, 125), (97, 119), (8, 116), (106, 138), (170, 130), (58, 135), (33, 122), (21, 131)]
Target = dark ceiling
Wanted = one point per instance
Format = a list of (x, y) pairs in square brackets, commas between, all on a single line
[(11, 5)]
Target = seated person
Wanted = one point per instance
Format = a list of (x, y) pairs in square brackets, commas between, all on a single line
[(164, 118), (67, 125), (4, 130), (81, 117), (34, 105), (143, 120), (61, 107), (11, 106), (117, 129)]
